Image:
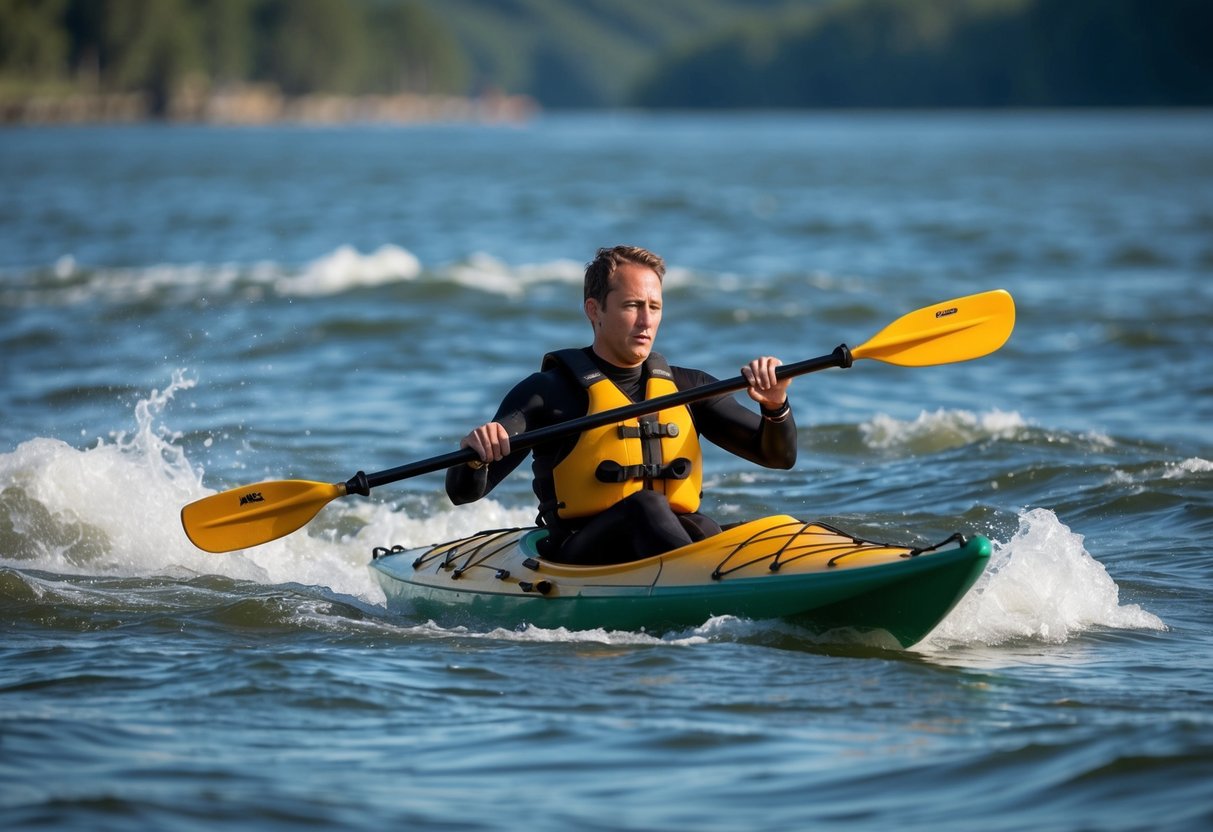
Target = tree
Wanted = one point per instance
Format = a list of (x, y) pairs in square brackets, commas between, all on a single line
[(227, 38), (413, 51), (149, 45), (318, 45), (33, 44)]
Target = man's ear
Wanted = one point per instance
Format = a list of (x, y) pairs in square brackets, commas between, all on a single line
[(592, 311)]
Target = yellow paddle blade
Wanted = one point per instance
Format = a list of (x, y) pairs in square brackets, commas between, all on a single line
[(955, 330), (255, 514)]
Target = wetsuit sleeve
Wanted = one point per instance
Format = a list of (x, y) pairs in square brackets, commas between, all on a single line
[(726, 422), (524, 408)]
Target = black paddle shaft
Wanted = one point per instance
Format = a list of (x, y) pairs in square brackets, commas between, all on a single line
[(362, 483)]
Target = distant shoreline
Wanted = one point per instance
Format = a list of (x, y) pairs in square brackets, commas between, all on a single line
[(264, 105), (261, 104)]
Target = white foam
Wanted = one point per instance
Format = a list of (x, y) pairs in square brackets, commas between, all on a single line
[(113, 501), (341, 270), (65, 267), (485, 273), (941, 429), (1193, 465), (1041, 586), (114, 510), (720, 628), (346, 269)]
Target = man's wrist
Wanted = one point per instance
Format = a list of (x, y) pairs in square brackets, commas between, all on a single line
[(777, 414)]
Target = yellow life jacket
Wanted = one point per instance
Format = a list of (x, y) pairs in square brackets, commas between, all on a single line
[(659, 451)]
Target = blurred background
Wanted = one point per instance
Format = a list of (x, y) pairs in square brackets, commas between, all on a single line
[(237, 61)]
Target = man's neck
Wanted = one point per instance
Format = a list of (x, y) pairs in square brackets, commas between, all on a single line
[(628, 379)]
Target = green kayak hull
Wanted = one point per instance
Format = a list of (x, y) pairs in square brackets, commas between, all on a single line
[(809, 574)]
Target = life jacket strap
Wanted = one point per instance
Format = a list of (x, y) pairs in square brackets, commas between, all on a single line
[(648, 430), (610, 471)]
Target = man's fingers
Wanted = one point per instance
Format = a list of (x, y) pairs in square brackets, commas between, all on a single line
[(760, 374), (491, 442), (498, 445)]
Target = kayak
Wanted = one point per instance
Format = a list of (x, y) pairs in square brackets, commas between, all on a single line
[(810, 574)]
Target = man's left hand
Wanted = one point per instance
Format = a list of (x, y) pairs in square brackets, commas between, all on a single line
[(764, 388)]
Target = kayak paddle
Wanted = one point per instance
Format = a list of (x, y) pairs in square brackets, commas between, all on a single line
[(955, 330)]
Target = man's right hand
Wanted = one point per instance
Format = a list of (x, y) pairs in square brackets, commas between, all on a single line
[(491, 442)]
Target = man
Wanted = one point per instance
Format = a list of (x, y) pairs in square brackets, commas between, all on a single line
[(629, 490)]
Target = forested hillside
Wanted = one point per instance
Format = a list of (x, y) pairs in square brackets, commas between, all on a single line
[(616, 53), (952, 53)]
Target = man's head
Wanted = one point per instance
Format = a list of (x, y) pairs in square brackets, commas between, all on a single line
[(623, 303), (600, 270)]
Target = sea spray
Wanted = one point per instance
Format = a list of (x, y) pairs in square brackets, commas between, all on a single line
[(107, 504), (113, 510), (1043, 586)]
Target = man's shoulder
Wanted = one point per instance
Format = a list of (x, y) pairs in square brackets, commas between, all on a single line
[(552, 377), (545, 379), (687, 377)]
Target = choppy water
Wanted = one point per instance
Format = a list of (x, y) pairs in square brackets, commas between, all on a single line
[(186, 310)]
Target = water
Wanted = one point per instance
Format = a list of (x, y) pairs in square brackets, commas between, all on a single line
[(186, 310)]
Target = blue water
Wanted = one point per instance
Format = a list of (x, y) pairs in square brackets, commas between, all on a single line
[(185, 310)]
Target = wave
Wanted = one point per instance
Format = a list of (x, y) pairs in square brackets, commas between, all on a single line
[(346, 269), (1041, 586), (941, 430), (1188, 467), (112, 511)]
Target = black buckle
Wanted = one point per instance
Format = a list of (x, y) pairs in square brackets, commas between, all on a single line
[(647, 430), (611, 471)]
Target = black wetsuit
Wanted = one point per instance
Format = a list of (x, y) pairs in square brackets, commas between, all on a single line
[(642, 524)]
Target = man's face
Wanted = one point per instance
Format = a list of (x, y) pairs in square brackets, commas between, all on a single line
[(625, 325)]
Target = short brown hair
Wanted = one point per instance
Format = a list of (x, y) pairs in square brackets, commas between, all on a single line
[(599, 270)]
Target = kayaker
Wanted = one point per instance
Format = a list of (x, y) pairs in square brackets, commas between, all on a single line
[(632, 490)]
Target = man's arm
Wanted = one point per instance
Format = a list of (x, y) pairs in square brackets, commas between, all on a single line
[(468, 483), (535, 402), (767, 440)]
